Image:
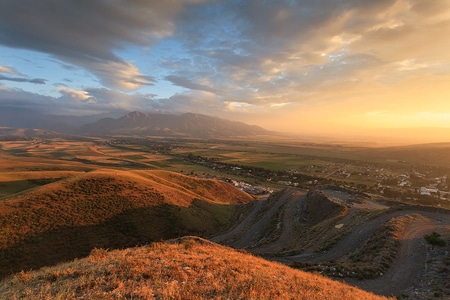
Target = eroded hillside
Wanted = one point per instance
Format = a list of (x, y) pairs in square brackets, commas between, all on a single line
[(375, 244)]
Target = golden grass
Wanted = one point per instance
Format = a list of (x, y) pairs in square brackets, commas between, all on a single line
[(187, 268), (109, 208)]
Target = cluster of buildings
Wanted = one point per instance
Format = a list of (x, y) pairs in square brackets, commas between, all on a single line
[(251, 189)]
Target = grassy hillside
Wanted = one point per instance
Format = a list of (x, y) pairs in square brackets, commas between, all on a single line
[(112, 209), (186, 268)]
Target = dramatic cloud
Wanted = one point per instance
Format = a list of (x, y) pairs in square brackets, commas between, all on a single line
[(87, 33), (20, 78), (272, 61)]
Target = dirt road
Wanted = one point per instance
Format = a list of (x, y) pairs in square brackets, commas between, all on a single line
[(406, 272)]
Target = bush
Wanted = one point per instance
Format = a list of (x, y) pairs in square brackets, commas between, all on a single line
[(434, 239)]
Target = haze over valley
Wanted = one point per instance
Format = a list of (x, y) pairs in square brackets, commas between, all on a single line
[(224, 149)]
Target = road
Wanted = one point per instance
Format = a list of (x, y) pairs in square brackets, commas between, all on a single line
[(406, 270)]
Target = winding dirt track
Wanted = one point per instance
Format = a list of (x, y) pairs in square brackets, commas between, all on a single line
[(247, 232), (285, 225), (241, 227), (405, 271), (408, 265)]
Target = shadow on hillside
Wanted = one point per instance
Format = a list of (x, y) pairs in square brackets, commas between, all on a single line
[(17, 186), (114, 163), (133, 227)]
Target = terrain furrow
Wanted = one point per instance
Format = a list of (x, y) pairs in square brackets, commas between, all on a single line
[(359, 224)]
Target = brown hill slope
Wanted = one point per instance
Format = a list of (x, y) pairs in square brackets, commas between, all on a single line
[(186, 268), (110, 209)]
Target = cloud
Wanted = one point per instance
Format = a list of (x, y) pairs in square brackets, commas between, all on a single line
[(87, 33), (20, 98), (237, 58), (20, 78), (187, 83), (80, 96), (70, 101), (122, 75), (29, 80), (272, 52), (10, 71)]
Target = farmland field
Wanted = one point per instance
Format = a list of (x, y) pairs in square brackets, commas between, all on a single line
[(28, 164)]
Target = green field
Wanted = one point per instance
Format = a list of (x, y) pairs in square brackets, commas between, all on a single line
[(267, 163)]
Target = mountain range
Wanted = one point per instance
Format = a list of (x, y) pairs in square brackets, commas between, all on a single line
[(132, 123), (188, 124)]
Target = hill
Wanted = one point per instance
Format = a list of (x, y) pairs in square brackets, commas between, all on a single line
[(185, 268), (188, 124), (112, 209)]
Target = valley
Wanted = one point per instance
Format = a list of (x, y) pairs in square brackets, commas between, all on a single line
[(348, 212), (226, 150)]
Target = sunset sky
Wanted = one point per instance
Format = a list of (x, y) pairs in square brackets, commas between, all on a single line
[(298, 66)]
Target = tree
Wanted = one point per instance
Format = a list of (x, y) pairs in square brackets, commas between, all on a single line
[(434, 239)]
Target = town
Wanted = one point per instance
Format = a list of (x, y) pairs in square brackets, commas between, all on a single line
[(398, 183)]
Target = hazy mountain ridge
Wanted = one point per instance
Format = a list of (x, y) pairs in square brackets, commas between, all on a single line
[(26, 132), (188, 124), (122, 123), (25, 118)]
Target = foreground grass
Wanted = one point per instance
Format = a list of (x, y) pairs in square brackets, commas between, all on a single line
[(186, 268)]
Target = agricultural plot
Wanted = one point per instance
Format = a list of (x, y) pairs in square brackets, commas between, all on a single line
[(26, 165), (272, 164)]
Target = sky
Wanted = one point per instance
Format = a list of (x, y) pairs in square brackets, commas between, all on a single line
[(311, 66)]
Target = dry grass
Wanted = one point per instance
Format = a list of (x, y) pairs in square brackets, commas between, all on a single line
[(109, 208), (188, 268), (95, 197)]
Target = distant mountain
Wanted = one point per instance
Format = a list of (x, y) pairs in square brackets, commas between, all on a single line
[(26, 132), (133, 123), (16, 117), (68, 123), (153, 124)]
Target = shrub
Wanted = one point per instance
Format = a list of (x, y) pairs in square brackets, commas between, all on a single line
[(434, 239)]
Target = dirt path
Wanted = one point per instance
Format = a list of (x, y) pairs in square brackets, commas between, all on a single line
[(406, 270), (410, 264), (410, 259), (286, 226), (242, 227), (251, 236)]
